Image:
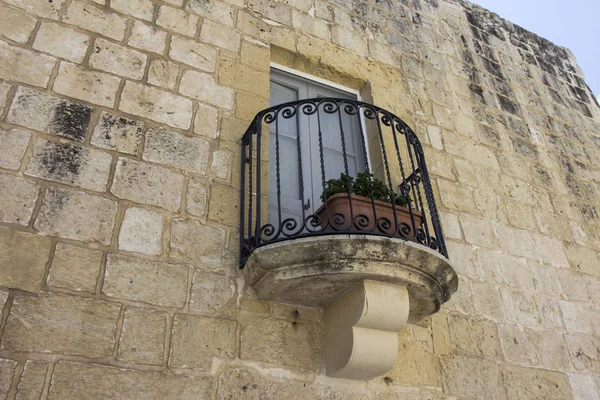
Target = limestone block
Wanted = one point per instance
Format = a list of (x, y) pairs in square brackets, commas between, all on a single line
[(170, 148), (196, 200), (520, 306), (4, 89), (210, 292), (573, 285), (247, 383), (32, 380), (39, 8), (143, 9), (583, 259), (456, 197), (43, 112), (141, 231), (478, 231), (549, 310), (117, 59), (149, 184), (7, 370), (223, 206), (415, 365), (248, 105), (219, 166), (204, 88), (156, 283), (61, 42), (16, 24), (163, 73), (194, 242), (529, 383), (177, 20), (70, 164), (93, 87), (584, 387), (93, 18), (73, 380), (487, 301), (585, 351), (56, 323), (350, 40), (576, 317), (18, 199), (194, 54), (75, 268), (17, 64), (215, 11), (143, 337), (559, 357), (3, 300), (298, 344), (205, 123), (156, 105), (197, 339), (240, 76), (76, 215), (117, 133), (516, 345), (23, 269), (473, 378), (213, 33), (147, 37), (474, 336)]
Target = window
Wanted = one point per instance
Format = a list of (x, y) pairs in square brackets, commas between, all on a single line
[(299, 157)]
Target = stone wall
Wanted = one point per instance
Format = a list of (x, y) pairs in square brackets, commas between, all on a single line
[(120, 123)]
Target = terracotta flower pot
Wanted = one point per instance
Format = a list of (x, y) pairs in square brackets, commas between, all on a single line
[(338, 211)]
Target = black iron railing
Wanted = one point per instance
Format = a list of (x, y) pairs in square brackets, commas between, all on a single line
[(325, 166)]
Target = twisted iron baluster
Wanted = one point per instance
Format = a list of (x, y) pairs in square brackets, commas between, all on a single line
[(408, 136), (401, 164), (387, 167), (339, 113)]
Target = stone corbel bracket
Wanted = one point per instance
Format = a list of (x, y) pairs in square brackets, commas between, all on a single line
[(368, 286)]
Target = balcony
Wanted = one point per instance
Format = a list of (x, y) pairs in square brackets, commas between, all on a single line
[(337, 211)]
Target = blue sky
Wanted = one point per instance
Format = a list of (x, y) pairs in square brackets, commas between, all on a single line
[(574, 24)]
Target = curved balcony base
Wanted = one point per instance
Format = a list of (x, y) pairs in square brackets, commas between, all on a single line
[(315, 271)]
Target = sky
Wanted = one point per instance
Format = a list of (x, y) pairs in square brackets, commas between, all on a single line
[(574, 24)]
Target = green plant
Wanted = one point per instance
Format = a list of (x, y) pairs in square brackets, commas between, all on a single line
[(364, 185)]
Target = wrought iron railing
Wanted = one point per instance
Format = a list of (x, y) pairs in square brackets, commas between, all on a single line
[(292, 151)]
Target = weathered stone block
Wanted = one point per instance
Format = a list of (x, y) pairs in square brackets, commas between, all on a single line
[(32, 380), (21, 65), (156, 105), (213, 33), (75, 268), (196, 198), (7, 370), (576, 317), (93, 87), (197, 339), (18, 199), (224, 205), (298, 344), (149, 282), (143, 337), (93, 18), (72, 380), (16, 24), (163, 73), (583, 259), (473, 378), (210, 292), (23, 269), (520, 306), (149, 184), (516, 345), (143, 9), (141, 231), (70, 164), (177, 20), (119, 60), (415, 365), (76, 215), (56, 323), (61, 42), (558, 358), (219, 166), (247, 383), (118, 133), (43, 112), (204, 88), (215, 11), (147, 37), (205, 123), (248, 105), (194, 242), (239, 76), (194, 54), (171, 148), (529, 383)]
